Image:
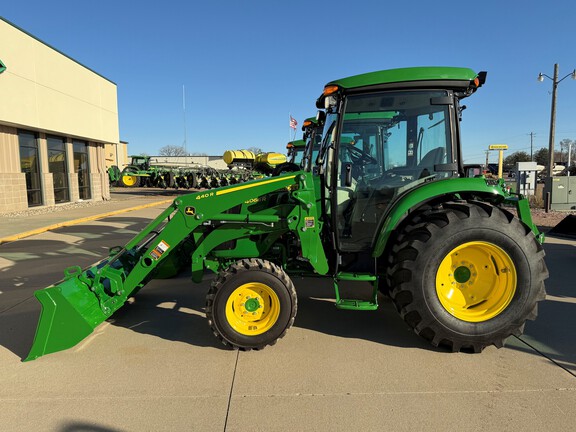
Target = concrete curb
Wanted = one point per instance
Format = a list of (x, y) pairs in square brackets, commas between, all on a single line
[(78, 221)]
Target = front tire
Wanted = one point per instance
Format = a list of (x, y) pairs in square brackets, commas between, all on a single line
[(467, 275), (251, 304)]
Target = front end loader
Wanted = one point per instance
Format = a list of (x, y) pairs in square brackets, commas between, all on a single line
[(383, 198), (249, 218)]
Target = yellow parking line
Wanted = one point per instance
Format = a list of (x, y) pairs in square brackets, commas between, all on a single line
[(78, 221)]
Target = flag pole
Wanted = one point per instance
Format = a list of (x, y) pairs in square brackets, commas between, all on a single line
[(185, 131)]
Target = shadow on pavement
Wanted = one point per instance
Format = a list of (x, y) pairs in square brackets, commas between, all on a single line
[(18, 326), (122, 193), (173, 309), (317, 312), (35, 263), (552, 333), (79, 426)]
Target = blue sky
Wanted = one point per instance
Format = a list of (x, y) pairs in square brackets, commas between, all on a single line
[(247, 64)]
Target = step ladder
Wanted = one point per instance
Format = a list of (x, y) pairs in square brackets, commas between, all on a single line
[(354, 304)]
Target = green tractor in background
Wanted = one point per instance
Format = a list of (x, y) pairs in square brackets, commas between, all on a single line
[(299, 155), (386, 200), (295, 151), (141, 173)]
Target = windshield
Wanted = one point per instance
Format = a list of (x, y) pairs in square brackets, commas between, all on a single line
[(295, 155), (389, 142)]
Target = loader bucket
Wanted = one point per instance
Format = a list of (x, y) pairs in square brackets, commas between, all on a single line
[(70, 312)]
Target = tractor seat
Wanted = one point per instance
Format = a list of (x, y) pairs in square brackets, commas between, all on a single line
[(433, 157)]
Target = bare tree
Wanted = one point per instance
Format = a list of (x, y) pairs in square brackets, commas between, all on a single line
[(567, 145), (172, 150), (255, 150)]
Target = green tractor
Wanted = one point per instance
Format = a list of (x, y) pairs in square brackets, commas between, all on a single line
[(300, 153), (387, 201), (140, 173), (295, 151)]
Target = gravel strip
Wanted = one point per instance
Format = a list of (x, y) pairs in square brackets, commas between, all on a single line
[(53, 209), (546, 220)]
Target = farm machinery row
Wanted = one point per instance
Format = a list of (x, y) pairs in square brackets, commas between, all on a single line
[(242, 166)]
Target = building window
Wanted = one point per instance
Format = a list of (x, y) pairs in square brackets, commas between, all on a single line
[(30, 165), (82, 168), (58, 167)]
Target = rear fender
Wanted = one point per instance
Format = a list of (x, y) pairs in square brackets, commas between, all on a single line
[(428, 192)]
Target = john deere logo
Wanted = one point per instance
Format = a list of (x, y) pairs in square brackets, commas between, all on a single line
[(190, 211), (2, 67)]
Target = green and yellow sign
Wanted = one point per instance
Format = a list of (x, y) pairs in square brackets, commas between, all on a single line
[(498, 147)]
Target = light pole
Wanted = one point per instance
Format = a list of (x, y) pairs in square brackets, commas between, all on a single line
[(555, 82)]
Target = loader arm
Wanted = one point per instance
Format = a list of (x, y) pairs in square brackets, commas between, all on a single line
[(188, 231)]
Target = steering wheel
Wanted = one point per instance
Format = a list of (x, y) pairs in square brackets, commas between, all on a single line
[(285, 167), (358, 156)]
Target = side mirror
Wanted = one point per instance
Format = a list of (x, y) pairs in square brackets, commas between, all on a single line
[(472, 170)]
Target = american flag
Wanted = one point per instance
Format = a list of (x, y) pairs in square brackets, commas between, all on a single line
[(293, 122)]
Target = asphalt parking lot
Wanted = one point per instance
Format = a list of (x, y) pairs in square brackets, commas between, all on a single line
[(157, 367)]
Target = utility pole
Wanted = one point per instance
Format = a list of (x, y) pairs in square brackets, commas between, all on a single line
[(552, 123), (486, 166), (555, 82), (532, 146), (185, 131), (569, 160)]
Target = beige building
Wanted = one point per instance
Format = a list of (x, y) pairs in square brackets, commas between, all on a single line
[(117, 154), (215, 162), (56, 118)]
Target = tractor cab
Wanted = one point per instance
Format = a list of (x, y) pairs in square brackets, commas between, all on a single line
[(140, 162), (383, 139), (295, 151)]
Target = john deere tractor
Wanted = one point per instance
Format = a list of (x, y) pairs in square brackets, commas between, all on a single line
[(140, 172), (386, 201), (295, 151)]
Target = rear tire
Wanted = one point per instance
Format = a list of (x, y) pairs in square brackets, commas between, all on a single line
[(168, 180), (467, 275), (128, 179), (193, 180), (251, 304)]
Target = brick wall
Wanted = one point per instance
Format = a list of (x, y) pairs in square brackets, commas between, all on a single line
[(13, 192)]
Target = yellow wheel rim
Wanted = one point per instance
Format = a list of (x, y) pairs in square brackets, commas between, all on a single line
[(252, 309), (476, 281), (129, 180)]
